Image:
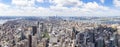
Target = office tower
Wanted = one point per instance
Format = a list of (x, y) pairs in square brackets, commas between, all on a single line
[(85, 38), (113, 41), (100, 42), (41, 26), (79, 39), (119, 43), (73, 33), (47, 42), (40, 30), (34, 30), (30, 40), (22, 36), (34, 41), (91, 37), (116, 40), (38, 24), (26, 43)]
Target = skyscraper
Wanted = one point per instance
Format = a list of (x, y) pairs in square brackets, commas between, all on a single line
[(22, 36), (34, 30), (100, 42), (30, 40), (40, 30), (34, 41), (73, 33)]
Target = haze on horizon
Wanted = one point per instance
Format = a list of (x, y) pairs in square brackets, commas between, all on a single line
[(59, 7)]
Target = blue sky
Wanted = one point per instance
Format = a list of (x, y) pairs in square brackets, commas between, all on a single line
[(59, 7)]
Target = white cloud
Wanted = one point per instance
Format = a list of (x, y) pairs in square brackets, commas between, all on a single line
[(60, 12), (41, 1), (66, 2), (94, 6), (102, 1), (116, 3), (3, 7), (23, 2), (59, 7)]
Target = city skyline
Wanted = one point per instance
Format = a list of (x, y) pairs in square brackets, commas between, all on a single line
[(59, 7), (60, 32)]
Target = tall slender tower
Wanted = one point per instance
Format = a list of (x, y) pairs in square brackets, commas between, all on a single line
[(30, 40), (34, 30), (40, 30), (73, 33)]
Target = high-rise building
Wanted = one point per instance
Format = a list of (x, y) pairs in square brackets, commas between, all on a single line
[(113, 41), (30, 40), (22, 36), (34, 30), (40, 26), (40, 30), (100, 42), (26, 43), (74, 33), (79, 39), (34, 41)]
